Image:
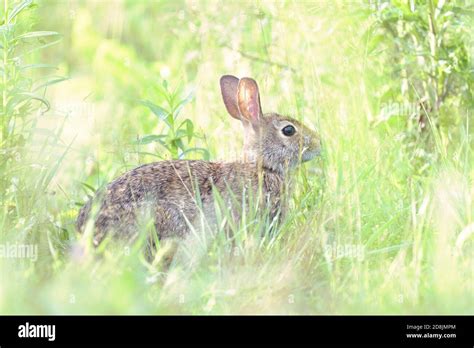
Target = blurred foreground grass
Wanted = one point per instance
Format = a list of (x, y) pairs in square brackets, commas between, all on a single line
[(381, 223)]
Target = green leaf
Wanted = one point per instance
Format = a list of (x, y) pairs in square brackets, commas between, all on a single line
[(148, 139), (160, 112), (20, 7), (40, 47), (88, 187), (189, 128), (25, 97), (182, 103), (38, 66), (180, 134), (50, 82), (34, 34)]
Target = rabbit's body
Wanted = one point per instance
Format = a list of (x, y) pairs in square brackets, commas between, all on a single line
[(175, 193)]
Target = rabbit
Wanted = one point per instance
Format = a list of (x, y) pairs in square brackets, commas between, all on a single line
[(175, 192)]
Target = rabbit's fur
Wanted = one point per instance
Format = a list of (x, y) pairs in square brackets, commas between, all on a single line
[(176, 192)]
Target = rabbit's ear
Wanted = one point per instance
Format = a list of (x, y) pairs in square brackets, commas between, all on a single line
[(229, 85), (248, 99)]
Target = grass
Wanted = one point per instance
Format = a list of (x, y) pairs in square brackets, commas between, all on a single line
[(378, 224)]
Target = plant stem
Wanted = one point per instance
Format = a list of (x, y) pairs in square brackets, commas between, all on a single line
[(434, 54), (5, 73)]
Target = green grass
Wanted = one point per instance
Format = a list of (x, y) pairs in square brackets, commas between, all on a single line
[(404, 207)]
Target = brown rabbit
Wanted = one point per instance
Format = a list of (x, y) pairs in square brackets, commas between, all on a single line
[(176, 192)]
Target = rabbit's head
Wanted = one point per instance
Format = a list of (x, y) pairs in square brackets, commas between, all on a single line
[(276, 141)]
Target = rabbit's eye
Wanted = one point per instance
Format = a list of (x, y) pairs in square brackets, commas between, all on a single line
[(288, 130)]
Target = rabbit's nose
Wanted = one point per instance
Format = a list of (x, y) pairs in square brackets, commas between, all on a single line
[(314, 142), (311, 141), (318, 143)]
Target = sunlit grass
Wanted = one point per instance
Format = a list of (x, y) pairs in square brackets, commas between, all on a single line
[(366, 193)]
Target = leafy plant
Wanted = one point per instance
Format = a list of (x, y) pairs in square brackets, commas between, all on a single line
[(179, 133), (23, 96), (425, 47)]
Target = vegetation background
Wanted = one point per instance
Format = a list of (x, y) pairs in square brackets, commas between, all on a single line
[(381, 223)]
